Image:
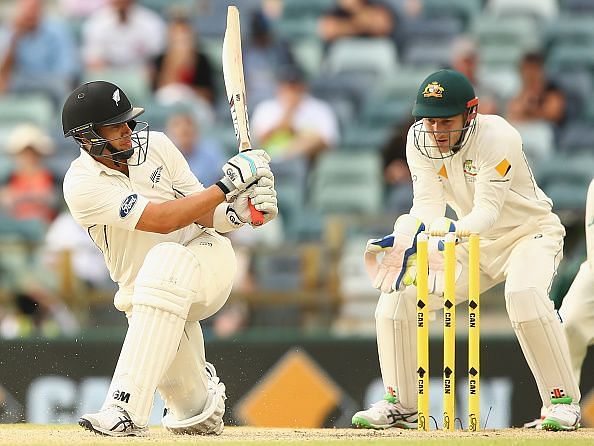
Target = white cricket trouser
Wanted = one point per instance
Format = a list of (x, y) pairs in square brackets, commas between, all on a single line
[(528, 266), (577, 313)]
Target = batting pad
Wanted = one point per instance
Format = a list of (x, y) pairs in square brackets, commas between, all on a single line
[(184, 385), (395, 322), (165, 288), (544, 344), (210, 420)]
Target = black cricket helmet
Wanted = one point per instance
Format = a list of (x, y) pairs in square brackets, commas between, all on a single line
[(101, 103)]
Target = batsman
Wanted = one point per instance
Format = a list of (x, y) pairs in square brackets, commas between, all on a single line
[(160, 232), (475, 164)]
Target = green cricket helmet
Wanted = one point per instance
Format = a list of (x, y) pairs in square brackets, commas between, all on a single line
[(444, 94)]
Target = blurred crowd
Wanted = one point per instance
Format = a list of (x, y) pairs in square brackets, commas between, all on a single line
[(330, 86)]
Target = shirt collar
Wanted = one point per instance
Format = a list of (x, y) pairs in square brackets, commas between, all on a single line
[(95, 165)]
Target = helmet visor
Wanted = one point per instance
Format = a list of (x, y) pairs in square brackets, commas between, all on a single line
[(100, 147), (438, 144)]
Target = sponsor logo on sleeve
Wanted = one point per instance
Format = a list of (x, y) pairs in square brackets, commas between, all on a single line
[(127, 205), (503, 167)]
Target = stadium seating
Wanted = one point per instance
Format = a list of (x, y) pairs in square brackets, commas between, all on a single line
[(347, 183), (465, 10), (378, 56), (565, 179), (539, 9), (133, 81)]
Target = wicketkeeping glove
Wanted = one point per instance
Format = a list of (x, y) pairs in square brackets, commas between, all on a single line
[(397, 268)]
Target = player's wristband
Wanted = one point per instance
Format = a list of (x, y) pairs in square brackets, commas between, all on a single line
[(228, 188), (225, 218)]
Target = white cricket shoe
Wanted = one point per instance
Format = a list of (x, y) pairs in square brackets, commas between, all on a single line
[(112, 421), (563, 415), (384, 414)]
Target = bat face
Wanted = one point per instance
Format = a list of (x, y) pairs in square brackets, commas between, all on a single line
[(234, 80)]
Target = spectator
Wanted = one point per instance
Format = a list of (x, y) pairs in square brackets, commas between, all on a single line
[(465, 59), (539, 99), (356, 18), (87, 263), (122, 35), (264, 53), (182, 66), (38, 54), (30, 191), (205, 156), (37, 312), (396, 172), (294, 124)]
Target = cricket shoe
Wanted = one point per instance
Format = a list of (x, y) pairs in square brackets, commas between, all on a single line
[(563, 415), (384, 414), (112, 421)]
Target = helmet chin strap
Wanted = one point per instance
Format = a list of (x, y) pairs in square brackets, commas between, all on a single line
[(119, 155)]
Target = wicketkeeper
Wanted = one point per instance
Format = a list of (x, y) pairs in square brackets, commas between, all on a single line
[(475, 164)]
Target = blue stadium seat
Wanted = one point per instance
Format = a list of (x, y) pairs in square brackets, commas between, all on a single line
[(422, 55), (376, 56), (210, 17), (565, 179), (570, 56), (544, 10), (435, 30), (347, 183), (465, 10), (577, 6), (133, 81), (574, 83), (570, 29), (519, 31), (403, 85), (577, 136), (290, 184), (308, 54)]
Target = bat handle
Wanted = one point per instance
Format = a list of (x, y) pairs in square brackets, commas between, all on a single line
[(257, 216)]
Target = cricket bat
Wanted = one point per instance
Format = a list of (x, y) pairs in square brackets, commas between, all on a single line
[(235, 86)]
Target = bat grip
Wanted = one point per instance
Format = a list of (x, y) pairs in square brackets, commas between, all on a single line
[(257, 216)]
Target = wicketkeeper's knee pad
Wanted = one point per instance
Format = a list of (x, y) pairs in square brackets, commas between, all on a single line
[(210, 420), (169, 279)]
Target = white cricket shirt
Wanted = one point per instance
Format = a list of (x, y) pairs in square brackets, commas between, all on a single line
[(488, 183), (108, 204)]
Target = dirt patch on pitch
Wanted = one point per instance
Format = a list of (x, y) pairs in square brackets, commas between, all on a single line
[(61, 435)]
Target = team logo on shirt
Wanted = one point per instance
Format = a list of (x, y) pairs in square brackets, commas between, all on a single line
[(127, 205), (469, 169), (156, 176), (433, 90)]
